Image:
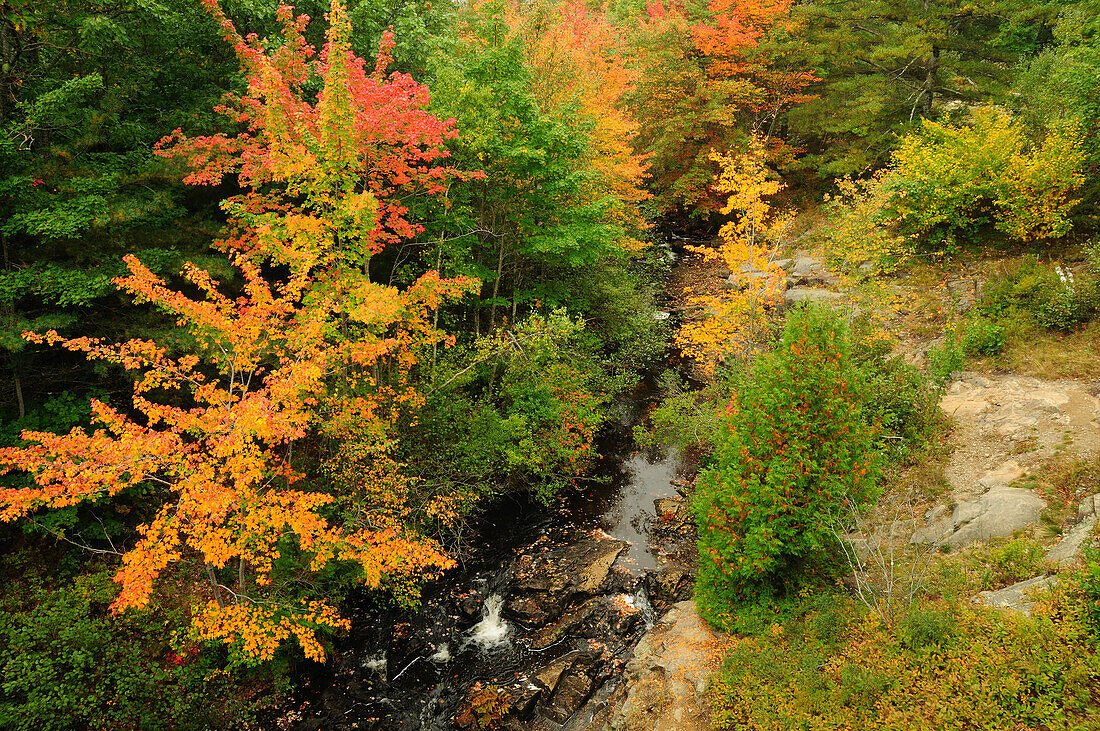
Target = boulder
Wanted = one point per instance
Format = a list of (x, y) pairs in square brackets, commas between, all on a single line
[(804, 267), (1018, 597), (669, 586), (598, 618), (543, 585), (1000, 512), (799, 295), (665, 683), (672, 512), (1088, 506), (573, 689)]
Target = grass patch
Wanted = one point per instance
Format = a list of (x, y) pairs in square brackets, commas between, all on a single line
[(1035, 351), (944, 666)]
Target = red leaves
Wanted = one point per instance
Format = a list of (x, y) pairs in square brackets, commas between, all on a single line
[(331, 170), (362, 133)]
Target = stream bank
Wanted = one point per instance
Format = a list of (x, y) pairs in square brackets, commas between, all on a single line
[(538, 627)]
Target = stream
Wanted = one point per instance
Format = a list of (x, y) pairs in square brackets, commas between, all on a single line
[(539, 624)]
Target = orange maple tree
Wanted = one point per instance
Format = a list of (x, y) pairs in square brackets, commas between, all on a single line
[(212, 430), (710, 85)]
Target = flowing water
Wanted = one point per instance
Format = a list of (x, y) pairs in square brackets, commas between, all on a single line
[(407, 670)]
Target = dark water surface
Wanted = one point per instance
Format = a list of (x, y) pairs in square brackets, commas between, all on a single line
[(409, 670)]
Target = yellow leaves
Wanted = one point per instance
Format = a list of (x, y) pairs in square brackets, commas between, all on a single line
[(860, 240), (748, 245), (952, 177)]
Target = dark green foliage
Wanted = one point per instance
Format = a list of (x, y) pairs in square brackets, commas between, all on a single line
[(983, 337), (1056, 297), (521, 418), (904, 406), (1060, 82), (926, 628), (66, 663), (884, 65), (799, 446)]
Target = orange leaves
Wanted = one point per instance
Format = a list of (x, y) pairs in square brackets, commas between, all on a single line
[(580, 71), (223, 460), (348, 156), (259, 630), (267, 360)]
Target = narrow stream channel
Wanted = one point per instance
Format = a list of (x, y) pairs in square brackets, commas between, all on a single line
[(411, 670)]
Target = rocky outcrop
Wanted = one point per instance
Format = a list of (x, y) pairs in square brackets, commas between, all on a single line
[(1006, 427), (665, 685), (1000, 512), (1018, 597), (800, 295), (544, 584), (1067, 551)]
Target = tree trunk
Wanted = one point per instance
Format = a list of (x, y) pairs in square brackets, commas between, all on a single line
[(496, 285), (214, 583)]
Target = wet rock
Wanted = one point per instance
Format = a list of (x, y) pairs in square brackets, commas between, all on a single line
[(669, 586), (544, 584), (1018, 597), (470, 605), (599, 618), (572, 691), (549, 676), (672, 512), (1000, 512), (521, 699), (665, 683)]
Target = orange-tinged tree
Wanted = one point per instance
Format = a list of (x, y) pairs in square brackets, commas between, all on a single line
[(212, 430), (580, 72), (709, 85)]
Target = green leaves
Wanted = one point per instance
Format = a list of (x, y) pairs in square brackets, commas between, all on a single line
[(798, 447)]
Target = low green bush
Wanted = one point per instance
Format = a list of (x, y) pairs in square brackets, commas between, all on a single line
[(800, 444), (983, 337), (67, 663), (926, 628), (1056, 297), (967, 667), (944, 359)]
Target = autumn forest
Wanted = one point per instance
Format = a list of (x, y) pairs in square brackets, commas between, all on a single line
[(296, 300)]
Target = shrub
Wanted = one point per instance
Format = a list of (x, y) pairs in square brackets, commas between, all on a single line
[(983, 337), (1054, 296), (971, 668), (861, 238), (797, 444), (944, 359), (948, 179), (925, 628), (1065, 307), (1019, 559), (904, 408), (66, 663)]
